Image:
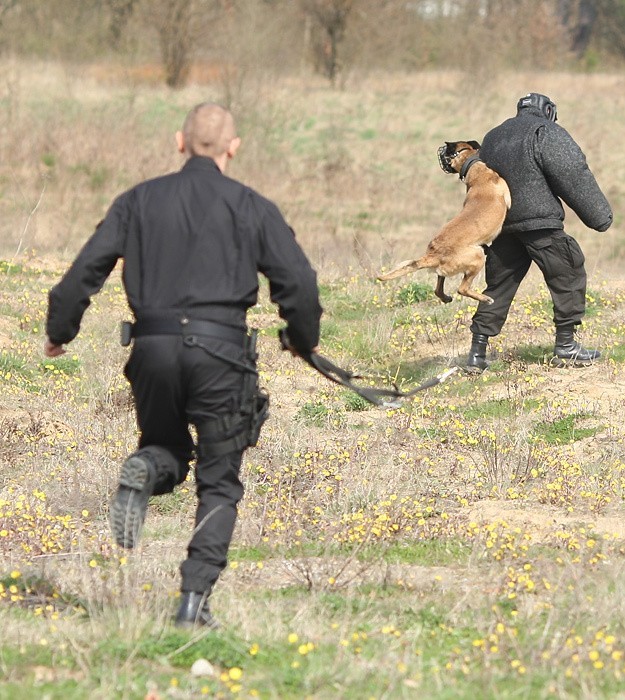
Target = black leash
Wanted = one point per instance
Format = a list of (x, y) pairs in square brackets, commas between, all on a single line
[(388, 398)]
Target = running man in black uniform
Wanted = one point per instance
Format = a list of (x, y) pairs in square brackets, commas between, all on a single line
[(193, 243)]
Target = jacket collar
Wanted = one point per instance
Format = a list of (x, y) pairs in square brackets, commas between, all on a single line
[(201, 163)]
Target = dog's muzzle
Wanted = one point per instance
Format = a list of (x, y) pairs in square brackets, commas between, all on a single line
[(445, 159)]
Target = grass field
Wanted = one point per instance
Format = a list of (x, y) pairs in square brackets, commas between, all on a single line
[(470, 544)]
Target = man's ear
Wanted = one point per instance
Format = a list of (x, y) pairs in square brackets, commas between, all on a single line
[(234, 146), (180, 141)]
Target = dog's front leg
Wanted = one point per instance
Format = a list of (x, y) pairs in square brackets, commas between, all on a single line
[(440, 290)]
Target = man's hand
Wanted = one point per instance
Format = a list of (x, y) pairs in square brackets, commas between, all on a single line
[(52, 350), (286, 344)]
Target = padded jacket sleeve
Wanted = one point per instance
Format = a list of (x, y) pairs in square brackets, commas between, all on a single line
[(569, 177)]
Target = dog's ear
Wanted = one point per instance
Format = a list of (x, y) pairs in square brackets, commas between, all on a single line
[(474, 144)]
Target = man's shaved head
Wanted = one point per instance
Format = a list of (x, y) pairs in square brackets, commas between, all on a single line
[(208, 130)]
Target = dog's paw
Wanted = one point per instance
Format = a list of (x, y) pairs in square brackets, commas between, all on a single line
[(488, 300)]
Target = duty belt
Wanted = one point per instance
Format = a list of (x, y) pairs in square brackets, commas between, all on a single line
[(188, 326)]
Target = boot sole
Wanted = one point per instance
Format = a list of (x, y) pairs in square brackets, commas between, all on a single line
[(561, 362), (186, 625), (128, 509), (473, 369)]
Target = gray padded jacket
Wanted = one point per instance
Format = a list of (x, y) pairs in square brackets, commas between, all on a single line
[(542, 165)]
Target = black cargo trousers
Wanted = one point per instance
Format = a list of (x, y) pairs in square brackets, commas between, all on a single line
[(559, 258), (177, 384)]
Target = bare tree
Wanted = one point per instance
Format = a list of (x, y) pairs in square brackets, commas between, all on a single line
[(610, 26), (329, 21), (120, 12), (181, 25), (579, 17), (172, 20)]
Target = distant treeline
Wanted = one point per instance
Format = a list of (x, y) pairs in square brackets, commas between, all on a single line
[(330, 37)]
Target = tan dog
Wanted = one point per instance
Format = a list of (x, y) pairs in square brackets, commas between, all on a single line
[(458, 247)]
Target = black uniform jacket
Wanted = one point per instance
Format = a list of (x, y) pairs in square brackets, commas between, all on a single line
[(542, 165), (193, 243)]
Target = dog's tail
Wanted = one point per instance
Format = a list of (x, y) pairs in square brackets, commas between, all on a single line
[(408, 266)]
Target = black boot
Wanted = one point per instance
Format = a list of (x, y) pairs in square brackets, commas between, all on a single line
[(194, 611), (476, 361), (568, 351), (130, 504)]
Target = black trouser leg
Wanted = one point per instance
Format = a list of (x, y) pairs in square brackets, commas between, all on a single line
[(218, 491), (561, 262), (154, 373), (175, 385), (507, 263), (214, 390)]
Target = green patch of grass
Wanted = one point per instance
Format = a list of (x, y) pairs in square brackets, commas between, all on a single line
[(362, 222), (534, 354), (470, 384), (10, 268), (161, 111), (15, 370), (342, 307), (57, 689), (427, 553), (354, 402), (564, 430), (432, 432), (18, 655), (11, 364), (222, 648), (413, 293), (37, 591), (314, 413), (330, 331), (48, 159), (65, 364), (499, 408), (595, 302), (414, 373), (616, 353), (251, 553), (368, 134), (97, 176)]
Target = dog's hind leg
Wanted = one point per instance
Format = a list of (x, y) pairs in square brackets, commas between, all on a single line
[(440, 290), (472, 270), (465, 288)]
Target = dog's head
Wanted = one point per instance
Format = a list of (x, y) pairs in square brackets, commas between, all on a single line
[(453, 154)]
